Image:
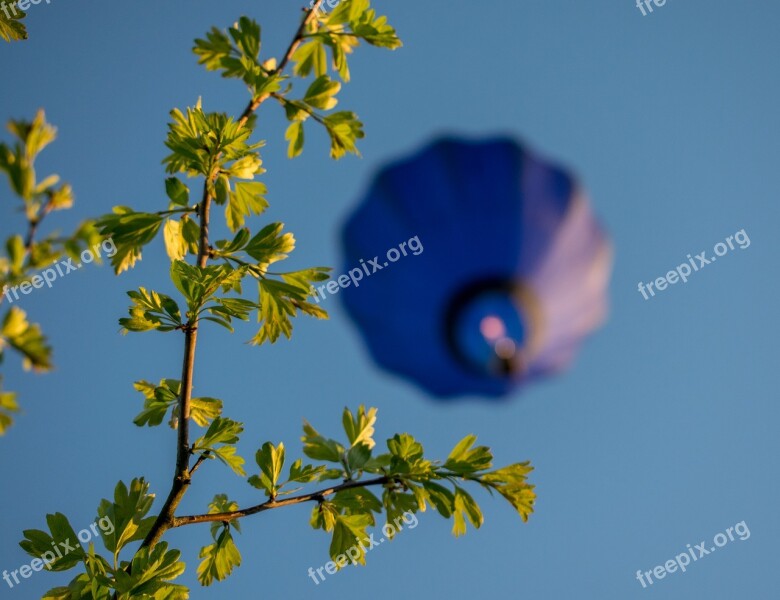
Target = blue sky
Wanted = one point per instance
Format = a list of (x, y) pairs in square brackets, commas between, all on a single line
[(664, 433)]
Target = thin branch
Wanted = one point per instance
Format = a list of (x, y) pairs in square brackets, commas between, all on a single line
[(300, 35), (32, 229), (189, 209), (306, 108), (271, 504), (201, 459)]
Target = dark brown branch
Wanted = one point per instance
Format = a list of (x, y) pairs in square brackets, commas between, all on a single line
[(271, 504), (201, 459), (311, 14), (35, 223)]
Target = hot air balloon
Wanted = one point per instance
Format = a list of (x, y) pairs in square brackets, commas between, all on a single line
[(510, 276)]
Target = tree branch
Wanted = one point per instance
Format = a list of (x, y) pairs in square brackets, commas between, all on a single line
[(271, 504), (32, 229), (182, 476), (300, 35)]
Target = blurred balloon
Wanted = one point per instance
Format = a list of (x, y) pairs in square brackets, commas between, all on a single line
[(484, 267)]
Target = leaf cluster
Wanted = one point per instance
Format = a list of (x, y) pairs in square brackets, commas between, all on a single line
[(23, 256), (123, 522), (11, 27)]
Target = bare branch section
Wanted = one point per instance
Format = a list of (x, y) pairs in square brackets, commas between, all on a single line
[(271, 504)]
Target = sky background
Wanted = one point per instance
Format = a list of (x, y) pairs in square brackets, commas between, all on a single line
[(664, 433)]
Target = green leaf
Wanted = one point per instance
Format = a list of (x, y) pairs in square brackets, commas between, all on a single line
[(376, 31), (511, 483), (27, 339), (270, 459), (16, 254), (270, 245), (245, 167), (344, 130), (237, 55), (204, 143), (294, 135), (306, 278), (177, 191), (158, 399), (356, 501), (276, 308), (222, 504), (464, 458), (130, 232), (151, 311), (323, 516), (357, 456), (190, 230), (348, 532), (205, 410), (378, 464), (40, 544), (175, 244), (321, 93), (465, 508), (442, 499), (403, 446), (151, 570), (360, 427), (8, 405), (279, 302), (396, 505), (93, 583), (219, 558), (300, 473), (246, 35), (229, 308), (11, 27), (247, 199), (407, 458), (214, 50), (218, 442), (124, 520), (319, 448), (199, 284), (309, 56)]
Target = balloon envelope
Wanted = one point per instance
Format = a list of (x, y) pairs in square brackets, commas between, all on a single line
[(474, 267)]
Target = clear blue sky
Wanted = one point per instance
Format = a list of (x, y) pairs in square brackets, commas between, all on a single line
[(663, 434)]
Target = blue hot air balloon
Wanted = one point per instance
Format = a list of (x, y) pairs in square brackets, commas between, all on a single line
[(481, 267)]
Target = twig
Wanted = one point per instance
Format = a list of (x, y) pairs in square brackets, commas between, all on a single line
[(299, 37), (271, 504), (32, 229)]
